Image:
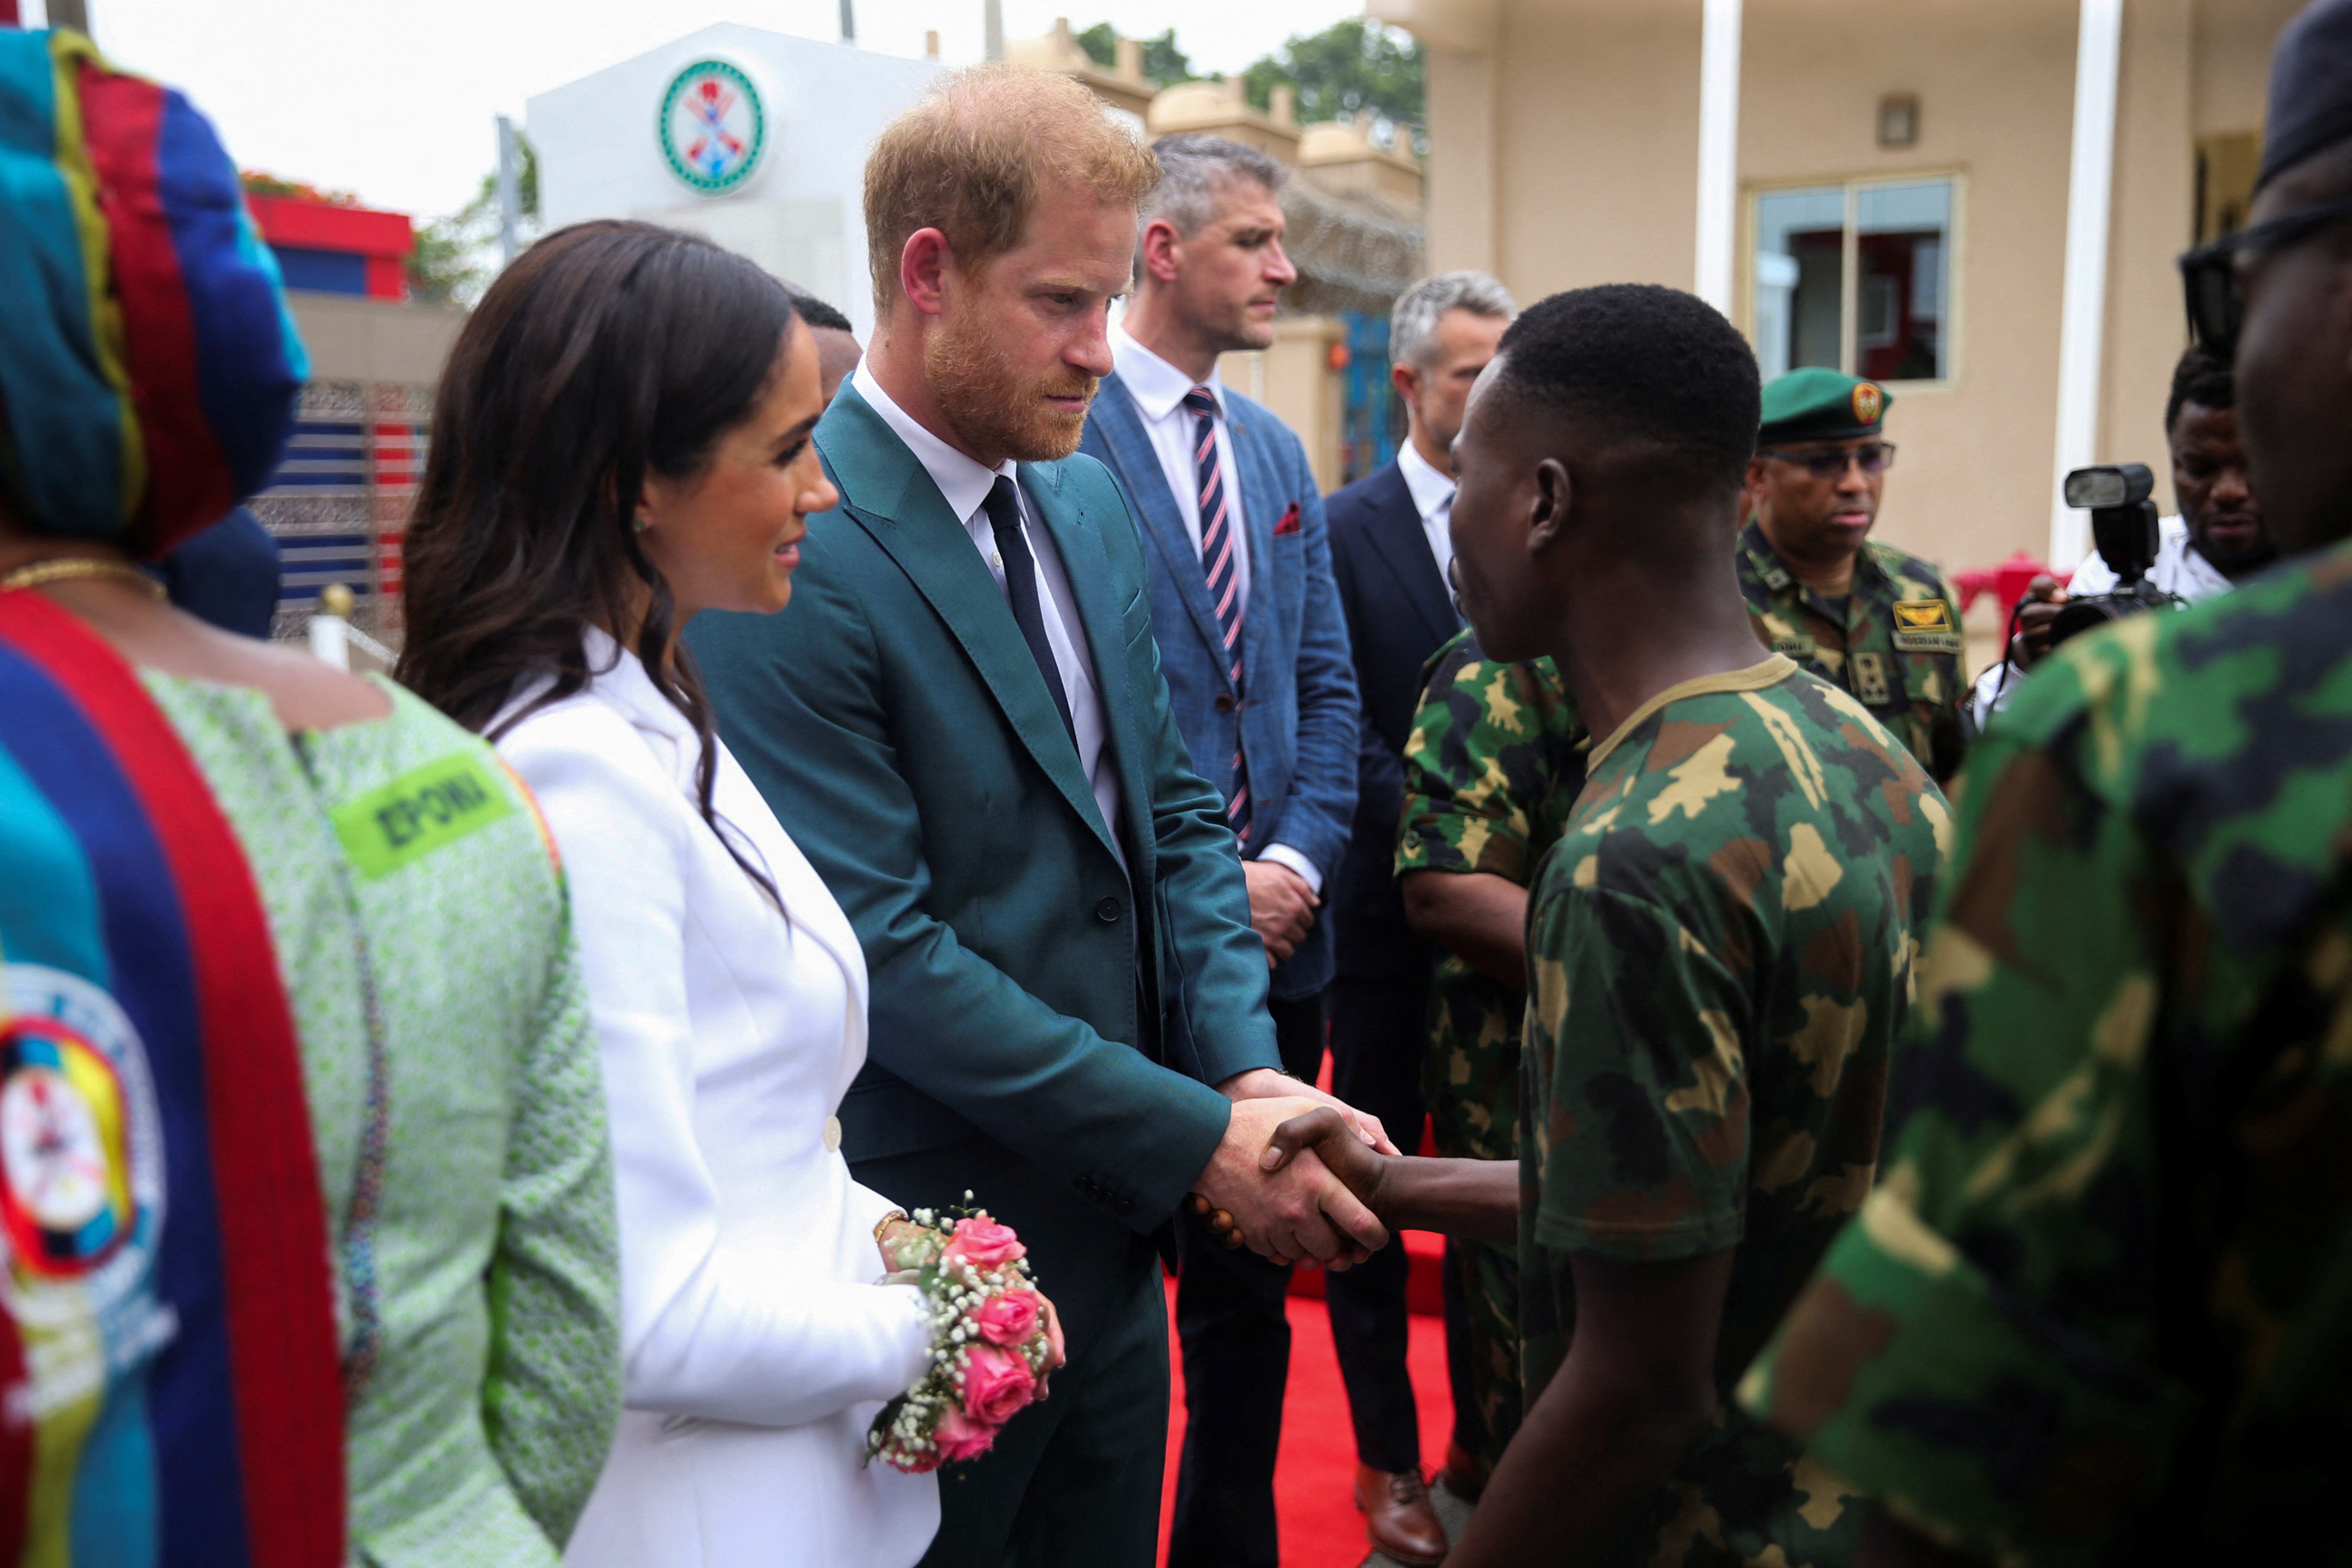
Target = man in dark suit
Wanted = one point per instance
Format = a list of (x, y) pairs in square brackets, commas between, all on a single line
[(1255, 655), (1390, 553), (962, 719)]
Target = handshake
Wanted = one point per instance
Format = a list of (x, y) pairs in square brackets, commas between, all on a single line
[(1301, 1177)]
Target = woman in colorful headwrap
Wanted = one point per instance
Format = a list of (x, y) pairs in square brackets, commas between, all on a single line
[(307, 1242)]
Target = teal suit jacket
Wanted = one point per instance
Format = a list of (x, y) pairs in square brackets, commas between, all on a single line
[(1033, 1004)]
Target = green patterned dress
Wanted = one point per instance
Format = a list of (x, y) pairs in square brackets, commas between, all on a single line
[(426, 945)]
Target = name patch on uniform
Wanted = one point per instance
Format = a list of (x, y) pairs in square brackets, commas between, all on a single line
[(1925, 625), (419, 812)]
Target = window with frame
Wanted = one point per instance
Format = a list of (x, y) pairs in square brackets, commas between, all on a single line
[(1856, 277)]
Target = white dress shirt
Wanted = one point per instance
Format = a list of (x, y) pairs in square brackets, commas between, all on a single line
[(756, 1346), (1158, 389), (1432, 497), (964, 484)]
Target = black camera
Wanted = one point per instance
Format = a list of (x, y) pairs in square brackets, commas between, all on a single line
[(2123, 527)]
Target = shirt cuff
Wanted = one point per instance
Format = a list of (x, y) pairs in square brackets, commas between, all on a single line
[(1284, 855)]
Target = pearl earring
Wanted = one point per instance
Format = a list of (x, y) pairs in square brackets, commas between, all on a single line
[(639, 523)]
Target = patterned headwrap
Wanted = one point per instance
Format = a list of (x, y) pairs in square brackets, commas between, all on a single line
[(148, 366)]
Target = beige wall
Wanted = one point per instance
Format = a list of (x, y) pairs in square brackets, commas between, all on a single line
[(1564, 151), (2230, 43), (352, 339), (1597, 144), (1995, 80)]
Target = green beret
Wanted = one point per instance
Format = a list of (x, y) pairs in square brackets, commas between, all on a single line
[(1817, 403)]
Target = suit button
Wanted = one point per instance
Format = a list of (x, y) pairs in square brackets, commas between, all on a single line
[(1126, 1208), (1225, 702), (1108, 911)]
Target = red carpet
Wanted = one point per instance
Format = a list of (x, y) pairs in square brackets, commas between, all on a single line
[(1314, 1478)]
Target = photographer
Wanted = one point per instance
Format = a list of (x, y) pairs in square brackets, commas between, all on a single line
[(2218, 539)]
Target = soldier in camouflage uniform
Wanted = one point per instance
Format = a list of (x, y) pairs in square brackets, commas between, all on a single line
[(1720, 948), (1857, 613), (1493, 765), (2100, 1309)]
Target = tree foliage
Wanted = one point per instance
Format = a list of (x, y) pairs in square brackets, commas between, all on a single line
[(456, 255), (1164, 62), (258, 182), (1353, 69)]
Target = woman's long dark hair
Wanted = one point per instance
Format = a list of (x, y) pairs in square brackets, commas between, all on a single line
[(608, 351)]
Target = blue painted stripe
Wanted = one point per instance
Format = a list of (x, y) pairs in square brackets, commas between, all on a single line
[(196, 1475), (57, 402)]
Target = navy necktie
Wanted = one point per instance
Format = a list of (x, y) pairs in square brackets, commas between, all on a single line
[(1217, 546), (1003, 509)]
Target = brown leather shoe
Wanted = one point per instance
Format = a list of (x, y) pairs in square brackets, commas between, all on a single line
[(1465, 1474), (1398, 1517)]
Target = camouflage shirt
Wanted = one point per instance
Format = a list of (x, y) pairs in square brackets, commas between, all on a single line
[(1492, 767), (2069, 1324), (1722, 947), (1893, 641)]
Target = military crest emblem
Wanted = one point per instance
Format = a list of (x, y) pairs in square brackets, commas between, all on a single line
[(713, 127), (1869, 401)]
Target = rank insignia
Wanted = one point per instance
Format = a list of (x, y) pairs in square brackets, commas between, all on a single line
[(1870, 680), (1868, 402)]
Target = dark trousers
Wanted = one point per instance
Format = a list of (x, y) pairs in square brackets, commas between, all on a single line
[(1236, 1341), (1379, 1035)]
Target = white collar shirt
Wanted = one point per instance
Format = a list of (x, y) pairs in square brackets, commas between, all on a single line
[(1432, 497), (1158, 389), (964, 484)]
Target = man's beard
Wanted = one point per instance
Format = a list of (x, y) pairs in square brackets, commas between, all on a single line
[(989, 404)]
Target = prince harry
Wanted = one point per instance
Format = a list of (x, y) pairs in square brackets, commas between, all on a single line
[(961, 721)]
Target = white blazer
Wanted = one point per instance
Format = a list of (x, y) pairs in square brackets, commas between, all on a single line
[(758, 1348)]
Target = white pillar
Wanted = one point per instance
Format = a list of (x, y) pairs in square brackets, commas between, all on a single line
[(2082, 322), (1719, 152)]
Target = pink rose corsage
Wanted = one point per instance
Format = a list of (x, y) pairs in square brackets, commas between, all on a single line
[(988, 1341)]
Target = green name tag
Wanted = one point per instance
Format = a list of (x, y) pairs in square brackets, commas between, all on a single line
[(1929, 642), (423, 810)]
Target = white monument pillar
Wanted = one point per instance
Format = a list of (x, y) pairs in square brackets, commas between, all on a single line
[(1719, 152), (2081, 319)]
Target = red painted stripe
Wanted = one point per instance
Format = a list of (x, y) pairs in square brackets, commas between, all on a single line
[(124, 116), (273, 1221)]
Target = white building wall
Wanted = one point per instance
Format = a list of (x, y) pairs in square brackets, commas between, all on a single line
[(798, 215)]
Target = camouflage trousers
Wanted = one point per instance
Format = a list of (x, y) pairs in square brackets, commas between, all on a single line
[(1471, 1086)]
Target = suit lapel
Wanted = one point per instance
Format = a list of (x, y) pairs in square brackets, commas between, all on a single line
[(1397, 539), (1085, 562), (1137, 463), (886, 492), (1262, 504)]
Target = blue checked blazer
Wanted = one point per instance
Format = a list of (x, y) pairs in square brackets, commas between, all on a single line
[(1295, 720)]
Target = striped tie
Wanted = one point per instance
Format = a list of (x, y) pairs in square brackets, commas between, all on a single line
[(1223, 573)]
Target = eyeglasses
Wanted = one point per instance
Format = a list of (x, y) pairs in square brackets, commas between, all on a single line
[(1876, 458), (2209, 278)]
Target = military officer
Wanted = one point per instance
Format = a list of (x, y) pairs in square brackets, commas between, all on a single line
[(1857, 613), (1495, 759)]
